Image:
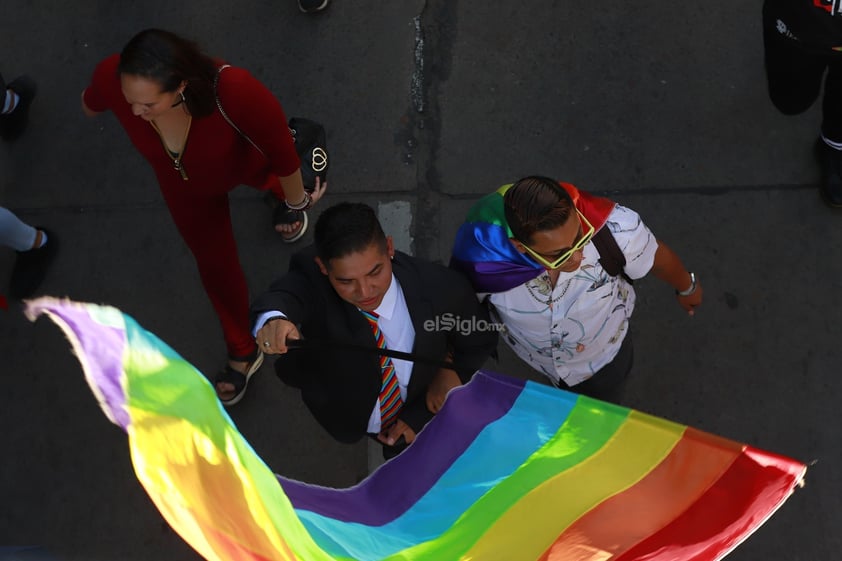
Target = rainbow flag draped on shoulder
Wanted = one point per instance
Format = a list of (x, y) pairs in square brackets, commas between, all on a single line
[(482, 250), (508, 470)]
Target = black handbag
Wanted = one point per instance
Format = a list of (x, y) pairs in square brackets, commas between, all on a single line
[(309, 137), (311, 145)]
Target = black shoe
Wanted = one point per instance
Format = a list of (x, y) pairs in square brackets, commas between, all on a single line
[(13, 124), (31, 267), (312, 6), (830, 161)]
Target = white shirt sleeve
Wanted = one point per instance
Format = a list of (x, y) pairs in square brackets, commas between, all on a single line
[(636, 241), (263, 318)]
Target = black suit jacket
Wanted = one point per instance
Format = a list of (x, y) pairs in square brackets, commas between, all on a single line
[(339, 386)]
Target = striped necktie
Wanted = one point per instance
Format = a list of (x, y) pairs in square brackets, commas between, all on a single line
[(390, 392)]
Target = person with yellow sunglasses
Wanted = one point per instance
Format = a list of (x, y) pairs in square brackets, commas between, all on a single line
[(555, 265)]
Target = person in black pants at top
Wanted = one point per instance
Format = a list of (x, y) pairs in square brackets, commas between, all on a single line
[(803, 43)]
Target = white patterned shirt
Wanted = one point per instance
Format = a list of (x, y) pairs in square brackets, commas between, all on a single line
[(573, 329)]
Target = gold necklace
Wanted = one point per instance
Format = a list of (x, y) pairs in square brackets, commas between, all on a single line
[(178, 157), (541, 289)]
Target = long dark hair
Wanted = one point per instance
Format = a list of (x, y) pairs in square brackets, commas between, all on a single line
[(534, 204), (168, 59)]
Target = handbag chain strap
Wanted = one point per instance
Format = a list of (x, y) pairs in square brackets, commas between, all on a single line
[(222, 110)]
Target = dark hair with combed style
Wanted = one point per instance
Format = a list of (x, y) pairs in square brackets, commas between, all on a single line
[(347, 228), (168, 59), (534, 204)]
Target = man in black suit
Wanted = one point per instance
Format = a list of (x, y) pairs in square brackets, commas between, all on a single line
[(420, 307)]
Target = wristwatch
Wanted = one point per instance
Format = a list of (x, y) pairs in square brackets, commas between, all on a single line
[(690, 290)]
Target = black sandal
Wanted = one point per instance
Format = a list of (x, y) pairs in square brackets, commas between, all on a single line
[(237, 379), (284, 215)]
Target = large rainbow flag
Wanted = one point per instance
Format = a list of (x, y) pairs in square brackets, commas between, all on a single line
[(508, 470)]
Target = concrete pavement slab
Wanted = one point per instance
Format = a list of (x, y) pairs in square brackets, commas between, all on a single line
[(632, 95)]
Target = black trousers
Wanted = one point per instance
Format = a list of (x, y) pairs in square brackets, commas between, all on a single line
[(794, 75), (609, 382)]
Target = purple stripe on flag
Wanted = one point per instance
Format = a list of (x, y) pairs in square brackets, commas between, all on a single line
[(99, 349), (497, 276), (469, 409)]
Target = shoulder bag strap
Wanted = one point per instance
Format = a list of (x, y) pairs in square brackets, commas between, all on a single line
[(224, 114), (610, 255)]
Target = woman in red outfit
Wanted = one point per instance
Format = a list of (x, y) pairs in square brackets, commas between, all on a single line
[(161, 89)]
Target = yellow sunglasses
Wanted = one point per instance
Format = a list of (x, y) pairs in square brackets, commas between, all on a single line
[(586, 230)]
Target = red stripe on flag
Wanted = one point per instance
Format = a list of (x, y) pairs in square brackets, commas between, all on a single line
[(620, 522), (742, 499)]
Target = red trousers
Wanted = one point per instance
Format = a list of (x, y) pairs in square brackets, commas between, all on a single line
[(205, 224)]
